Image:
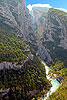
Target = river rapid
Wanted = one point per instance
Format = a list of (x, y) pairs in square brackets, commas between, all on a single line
[(54, 82)]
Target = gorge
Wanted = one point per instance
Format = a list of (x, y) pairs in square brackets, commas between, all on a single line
[(54, 82), (27, 39)]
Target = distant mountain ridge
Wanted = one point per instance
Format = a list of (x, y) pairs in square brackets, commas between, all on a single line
[(39, 15)]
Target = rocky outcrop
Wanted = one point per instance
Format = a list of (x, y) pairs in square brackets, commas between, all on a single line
[(52, 24), (9, 65), (39, 16), (55, 35), (56, 27), (43, 53), (15, 17)]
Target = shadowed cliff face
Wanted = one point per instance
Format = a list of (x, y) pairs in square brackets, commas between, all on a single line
[(56, 27), (39, 15), (15, 17), (51, 28), (55, 34)]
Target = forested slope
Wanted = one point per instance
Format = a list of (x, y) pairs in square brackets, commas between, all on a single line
[(16, 82), (11, 48)]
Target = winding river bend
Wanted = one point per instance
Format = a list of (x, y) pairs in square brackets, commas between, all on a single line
[(54, 82)]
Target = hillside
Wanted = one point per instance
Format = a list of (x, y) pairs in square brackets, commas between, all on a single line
[(11, 48), (21, 71), (15, 17), (19, 82), (56, 38)]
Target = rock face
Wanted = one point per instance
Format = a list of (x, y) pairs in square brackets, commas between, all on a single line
[(9, 65), (55, 34), (39, 16), (15, 17), (43, 53), (50, 26), (56, 27), (52, 34)]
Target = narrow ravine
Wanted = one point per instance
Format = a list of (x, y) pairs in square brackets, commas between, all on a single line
[(54, 82)]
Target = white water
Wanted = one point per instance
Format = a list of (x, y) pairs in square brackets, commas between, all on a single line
[(54, 82)]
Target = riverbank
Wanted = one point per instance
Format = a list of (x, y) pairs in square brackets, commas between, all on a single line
[(54, 82)]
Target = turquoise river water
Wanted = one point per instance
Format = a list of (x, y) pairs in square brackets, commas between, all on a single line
[(54, 82)]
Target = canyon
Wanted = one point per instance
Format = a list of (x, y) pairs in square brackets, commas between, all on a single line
[(26, 39)]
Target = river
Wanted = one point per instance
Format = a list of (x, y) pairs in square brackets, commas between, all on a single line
[(54, 82)]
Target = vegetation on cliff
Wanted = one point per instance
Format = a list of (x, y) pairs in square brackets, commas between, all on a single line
[(20, 82), (12, 48), (59, 69), (55, 35)]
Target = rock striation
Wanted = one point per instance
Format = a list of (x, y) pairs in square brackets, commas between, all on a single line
[(55, 34), (15, 17), (45, 30), (51, 28)]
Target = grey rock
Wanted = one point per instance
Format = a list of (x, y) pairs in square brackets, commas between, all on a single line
[(15, 17)]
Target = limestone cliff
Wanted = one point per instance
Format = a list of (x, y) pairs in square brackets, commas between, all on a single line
[(55, 34), (15, 17), (52, 34), (50, 26), (39, 16), (56, 27)]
